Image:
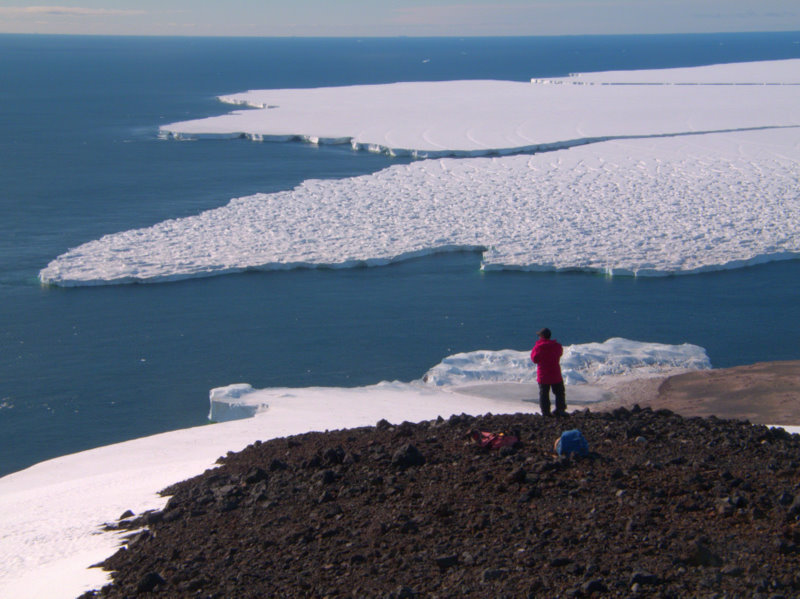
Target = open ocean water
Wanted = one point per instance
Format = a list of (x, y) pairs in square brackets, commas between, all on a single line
[(80, 157)]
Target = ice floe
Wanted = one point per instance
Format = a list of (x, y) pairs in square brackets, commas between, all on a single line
[(646, 207)]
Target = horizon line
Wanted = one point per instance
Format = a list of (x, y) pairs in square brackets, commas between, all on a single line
[(358, 37)]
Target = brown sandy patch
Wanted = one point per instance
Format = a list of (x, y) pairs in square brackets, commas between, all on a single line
[(763, 393)]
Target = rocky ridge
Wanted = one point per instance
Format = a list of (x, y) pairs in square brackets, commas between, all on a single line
[(663, 506)]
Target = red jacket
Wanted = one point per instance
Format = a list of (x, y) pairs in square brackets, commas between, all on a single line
[(546, 354)]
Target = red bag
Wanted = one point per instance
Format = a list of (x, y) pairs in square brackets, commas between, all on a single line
[(493, 440)]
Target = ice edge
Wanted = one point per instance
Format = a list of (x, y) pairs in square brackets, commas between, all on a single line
[(55, 281)]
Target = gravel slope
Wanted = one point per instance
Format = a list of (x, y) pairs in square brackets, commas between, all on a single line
[(664, 506)]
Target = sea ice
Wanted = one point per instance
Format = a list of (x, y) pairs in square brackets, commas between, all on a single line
[(642, 207), (433, 119), (676, 178), (769, 72)]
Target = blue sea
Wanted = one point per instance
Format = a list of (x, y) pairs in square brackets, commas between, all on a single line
[(80, 157)]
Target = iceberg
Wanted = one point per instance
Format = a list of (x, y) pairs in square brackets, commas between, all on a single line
[(581, 363), (226, 403)]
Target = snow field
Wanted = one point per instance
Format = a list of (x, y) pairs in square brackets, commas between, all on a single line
[(51, 514)]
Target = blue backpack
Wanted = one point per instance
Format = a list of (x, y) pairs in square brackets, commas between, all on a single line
[(571, 442)]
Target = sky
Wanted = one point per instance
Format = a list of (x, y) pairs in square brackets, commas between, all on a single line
[(363, 18)]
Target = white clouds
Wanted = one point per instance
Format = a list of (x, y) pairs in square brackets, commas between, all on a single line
[(23, 11), (746, 16), (547, 17), (359, 18)]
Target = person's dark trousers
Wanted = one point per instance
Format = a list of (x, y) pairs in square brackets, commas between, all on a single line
[(544, 398)]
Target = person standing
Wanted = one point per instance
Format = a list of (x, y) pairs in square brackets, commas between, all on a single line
[(546, 354)]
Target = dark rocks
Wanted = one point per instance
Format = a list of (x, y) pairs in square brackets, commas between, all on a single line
[(255, 475), (447, 561), (794, 509), (732, 571), (407, 456), (644, 578), (700, 554), (533, 492), (492, 574), (593, 586), (706, 507), (334, 455), (326, 477), (153, 517), (518, 476), (149, 582), (409, 527), (276, 465), (560, 562)]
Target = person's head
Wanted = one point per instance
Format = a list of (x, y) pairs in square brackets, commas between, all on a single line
[(544, 333)]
